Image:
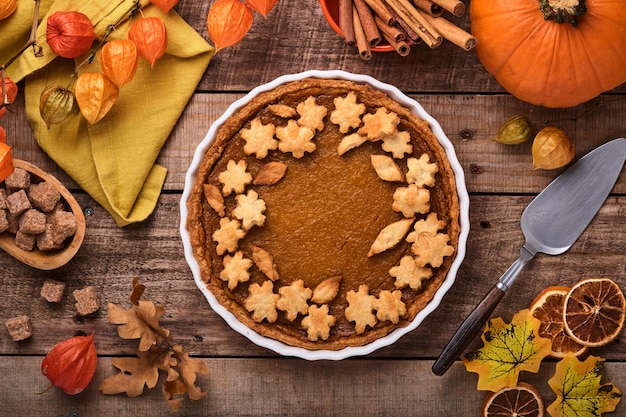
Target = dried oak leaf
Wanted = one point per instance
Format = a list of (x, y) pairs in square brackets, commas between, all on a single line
[(508, 349), (137, 372), (578, 388), (139, 322), (228, 22), (188, 368)]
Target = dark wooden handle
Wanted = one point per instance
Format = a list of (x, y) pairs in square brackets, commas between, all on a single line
[(472, 325)]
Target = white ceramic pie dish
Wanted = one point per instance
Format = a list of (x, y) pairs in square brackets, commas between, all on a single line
[(282, 348)]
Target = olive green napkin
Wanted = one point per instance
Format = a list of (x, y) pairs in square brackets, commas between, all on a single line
[(113, 160)]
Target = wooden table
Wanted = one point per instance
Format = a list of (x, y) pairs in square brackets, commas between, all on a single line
[(244, 379)]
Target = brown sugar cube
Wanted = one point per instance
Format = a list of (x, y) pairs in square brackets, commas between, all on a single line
[(52, 290), (19, 328), (32, 222), (4, 222), (19, 179), (45, 240), (86, 301), (18, 202), (13, 221), (44, 196), (25, 241), (63, 225), (3, 199)]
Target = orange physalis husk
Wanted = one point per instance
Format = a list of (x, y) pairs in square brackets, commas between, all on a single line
[(71, 364), (228, 22), (7, 8), (69, 34), (150, 37), (262, 6), (6, 161), (3, 135), (119, 60), (8, 93), (95, 95), (164, 5)]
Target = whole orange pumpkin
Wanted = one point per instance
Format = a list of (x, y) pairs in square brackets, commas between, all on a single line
[(553, 53)]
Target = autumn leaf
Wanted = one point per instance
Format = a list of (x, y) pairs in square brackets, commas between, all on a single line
[(228, 22), (579, 390), (508, 349), (139, 322), (135, 373), (261, 6), (188, 369)]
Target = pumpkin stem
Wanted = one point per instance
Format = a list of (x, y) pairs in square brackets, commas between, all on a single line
[(562, 10)]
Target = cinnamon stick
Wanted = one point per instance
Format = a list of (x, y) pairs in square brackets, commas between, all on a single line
[(367, 22), (452, 33), (416, 21), (456, 7), (401, 47), (346, 27), (380, 10), (362, 44), (429, 7), (390, 31), (406, 28)]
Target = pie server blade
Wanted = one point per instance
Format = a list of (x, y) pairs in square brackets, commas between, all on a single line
[(551, 224)]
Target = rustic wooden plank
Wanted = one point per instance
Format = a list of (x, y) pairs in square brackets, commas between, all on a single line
[(469, 121), (111, 257), (279, 387)]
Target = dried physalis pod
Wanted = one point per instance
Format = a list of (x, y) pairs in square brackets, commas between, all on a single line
[(164, 5), (326, 290), (270, 173), (261, 6), (228, 22), (69, 34), (150, 36), (8, 93), (8, 7), (95, 95), (56, 104), (119, 60), (71, 364)]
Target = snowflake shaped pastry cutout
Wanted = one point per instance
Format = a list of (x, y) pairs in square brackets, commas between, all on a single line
[(380, 124), (249, 210), (259, 138), (235, 270), (295, 139), (262, 302), (409, 273), (228, 235), (420, 171), (389, 306), (311, 114), (397, 144), (235, 177), (431, 224), (318, 323), (294, 299), (431, 249), (411, 200), (360, 308), (347, 113)]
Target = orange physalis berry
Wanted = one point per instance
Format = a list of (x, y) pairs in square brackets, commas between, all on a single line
[(164, 5), (150, 36), (228, 22), (69, 34), (95, 95), (71, 364), (262, 6), (119, 60), (6, 161), (8, 93)]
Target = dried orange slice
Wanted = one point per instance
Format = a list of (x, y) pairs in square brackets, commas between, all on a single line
[(547, 307), (522, 400), (594, 311)]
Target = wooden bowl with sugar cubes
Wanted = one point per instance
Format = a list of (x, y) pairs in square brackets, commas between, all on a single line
[(41, 223)]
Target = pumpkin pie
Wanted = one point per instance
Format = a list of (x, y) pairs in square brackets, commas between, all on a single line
[(324, 214)]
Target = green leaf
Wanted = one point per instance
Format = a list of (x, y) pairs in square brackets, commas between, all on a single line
[(579, 391), (508, 349)]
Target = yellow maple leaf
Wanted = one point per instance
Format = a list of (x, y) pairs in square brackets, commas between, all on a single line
[(578, 388), (508, 349)]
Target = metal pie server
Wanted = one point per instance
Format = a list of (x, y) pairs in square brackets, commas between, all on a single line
[(551, 224)]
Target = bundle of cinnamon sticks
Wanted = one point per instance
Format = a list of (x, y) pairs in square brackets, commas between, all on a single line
[(401, 23)]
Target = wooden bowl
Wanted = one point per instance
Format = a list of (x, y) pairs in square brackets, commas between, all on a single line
[(47, 260)]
